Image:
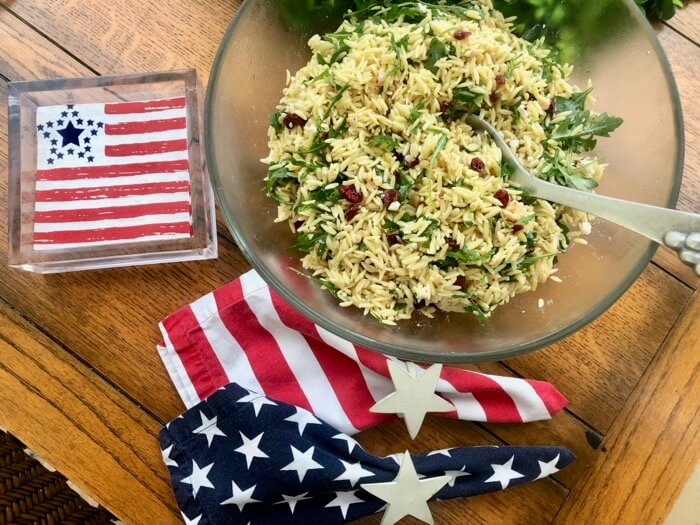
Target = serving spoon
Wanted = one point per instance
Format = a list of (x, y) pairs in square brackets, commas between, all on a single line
[(676, 229)]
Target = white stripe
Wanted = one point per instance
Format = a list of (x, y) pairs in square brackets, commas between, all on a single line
[(379, 386), (228, 352), (301, 360), (468, 408), (136, 117), (152, 198), (527, 401), (147, 238), (101, 160), (106, 182), (177, 371), (164, 218), (116, 140)]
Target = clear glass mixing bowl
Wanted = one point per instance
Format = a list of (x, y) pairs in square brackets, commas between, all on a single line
[(608, 41)]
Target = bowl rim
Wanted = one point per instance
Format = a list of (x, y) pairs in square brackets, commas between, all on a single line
[(414, 353)]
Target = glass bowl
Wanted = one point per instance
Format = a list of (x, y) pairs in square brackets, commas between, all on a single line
[(608, 41)]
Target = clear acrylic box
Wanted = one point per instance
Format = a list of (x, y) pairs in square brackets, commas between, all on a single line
[(107, 172)]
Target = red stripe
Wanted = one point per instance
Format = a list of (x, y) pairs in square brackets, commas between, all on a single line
[(111, 234), (110, 192), (113, 212), (343, 374), (551, 397), (121, 170), (123, 108), (197, 356), (264, 354), (148, 126), (497, 404), (373, 360), (146, 148)]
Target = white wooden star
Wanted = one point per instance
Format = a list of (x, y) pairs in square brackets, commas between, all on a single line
[(292, 500), (169, 462), (198, 478), (353, 473), (302, 462), (407, 495), (547, 468), (350, 441), (414, 396), (240, 498), (251, 448), (503, 474), (302, 418), (257, 401), (208, 428), (344, 500)]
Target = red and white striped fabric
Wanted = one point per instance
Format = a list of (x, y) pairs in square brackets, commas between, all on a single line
[(111, 173), (245, 333)]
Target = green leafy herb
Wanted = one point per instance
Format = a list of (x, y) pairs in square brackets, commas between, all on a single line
[(385, 141), (529, 261), (325, 283), (478, 311), (506, 169), (436, 51), (439, 146), (400, 306), (415, 113), (466, 100), (530, 238), (390, 226), (565, 233), (661, 9), (404, 183), (466, 256), (335, 100), (275, 176), (307, 241), (339, 130), (274, 121), (527, 199), (561, 172), (526, 220)]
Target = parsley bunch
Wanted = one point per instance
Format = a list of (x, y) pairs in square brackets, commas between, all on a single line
[(660, 9)]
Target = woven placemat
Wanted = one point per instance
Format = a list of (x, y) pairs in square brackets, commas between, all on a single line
[(32, 494)]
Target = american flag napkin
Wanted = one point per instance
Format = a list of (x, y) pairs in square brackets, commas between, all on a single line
[(243, 458), (111, 173), (245, 333)]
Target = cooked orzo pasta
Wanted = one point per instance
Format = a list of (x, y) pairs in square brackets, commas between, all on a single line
[(397, 202)]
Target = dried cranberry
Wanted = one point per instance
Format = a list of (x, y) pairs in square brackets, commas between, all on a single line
[(503, 197), (393, 238), (477, 164), (452, 243), (552, 109), (444, 105), (352, 212), (292, 120), (412, 163), (350, 194), (399, 156), (461, 281), (461, 34), (390, 196), (500, 80), (494, 97), (518, 228), (298, 224)]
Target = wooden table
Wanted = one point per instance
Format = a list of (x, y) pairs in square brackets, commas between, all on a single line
[(82, 385)]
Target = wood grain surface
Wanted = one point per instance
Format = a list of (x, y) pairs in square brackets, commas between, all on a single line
[(91, 335)]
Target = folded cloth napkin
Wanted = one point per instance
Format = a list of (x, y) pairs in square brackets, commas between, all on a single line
[(246, 333), (240, 457)]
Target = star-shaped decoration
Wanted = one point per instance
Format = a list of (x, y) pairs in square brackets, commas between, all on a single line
[(50, 161), (257, 401), (454, 474), (350, 441), (343, 500), (414, 396), (251, 448), (54, 142), (70, 106), (208, 428), (169, 462), (60, 122), (88, 148), (90, 122), (75, 113), (79, 122), (302, 462), (547, 468), (353, 473), (46, 134), (40, 127), (70, 134), (292, 500), (407, 495), (93, 132), (443, 452), (198, 478), (59, 155), (90, 159), (71, 151), (53, 151), (302, 418), (100, 124), (81, 154), (64, 114), (49, 124), (193, 521), (240, 498), (86, 140), (504, 474)]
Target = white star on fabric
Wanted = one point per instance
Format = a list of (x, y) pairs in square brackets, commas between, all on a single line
[(257, 401), (443, 452), (407, 495), (193, 521), (302, 418), (198, 478), (251, 448), (344, 500), (303, 462), (548, 468), (169, 462), (503, 474), (350, 441), (209, 429), (353, 473), (414, 396), (454, 474), (240, 498), (396, 457), (292, 500)]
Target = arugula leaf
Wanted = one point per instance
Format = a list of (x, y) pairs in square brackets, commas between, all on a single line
[(563, 174), (464, 99), (506, 169), (386, 141), (335, 100), (324, 283), (478, 311), (415, 113), (441, 143), (275, 123), (526, 220), (661, 9), (390, 226), (275, 175), (436, 51), (307, 241), (404, 183), (565, 232), (397, 48), (530, 240), (469, 256), (336, 132), (529, 261)]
